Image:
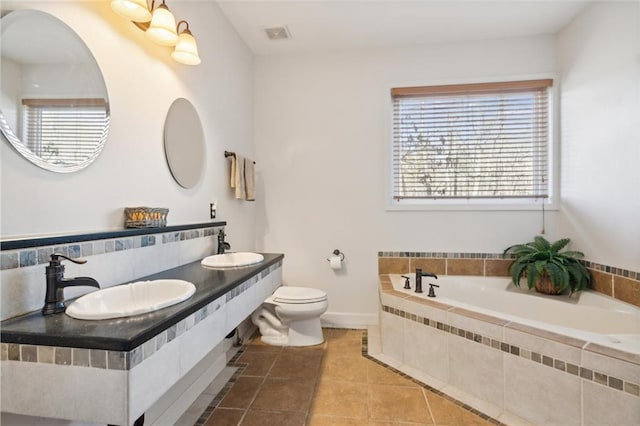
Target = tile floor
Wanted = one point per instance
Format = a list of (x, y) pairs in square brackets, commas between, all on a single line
[(329, 384)]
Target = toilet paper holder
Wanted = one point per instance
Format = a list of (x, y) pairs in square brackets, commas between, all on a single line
[(337, 252)]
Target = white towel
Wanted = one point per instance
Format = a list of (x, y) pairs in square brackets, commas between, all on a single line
[(232, 183), (249, 180), (241, 191)]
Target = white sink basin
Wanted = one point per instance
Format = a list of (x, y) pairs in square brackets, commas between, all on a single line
[(130, 299), (231, 260)]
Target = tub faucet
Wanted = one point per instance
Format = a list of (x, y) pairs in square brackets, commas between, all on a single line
[(419, 275), (222, 244), (56, 282)]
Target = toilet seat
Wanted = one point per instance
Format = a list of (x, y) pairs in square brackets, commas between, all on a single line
[(298, 295)]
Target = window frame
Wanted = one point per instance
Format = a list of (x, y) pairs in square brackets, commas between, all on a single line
[(552, 202)]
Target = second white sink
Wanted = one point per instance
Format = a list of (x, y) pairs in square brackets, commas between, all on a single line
[(130, 299), (231, 260)]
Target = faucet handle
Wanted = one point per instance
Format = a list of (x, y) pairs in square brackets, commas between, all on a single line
[(55, 259), (432, 293), (407, 285)]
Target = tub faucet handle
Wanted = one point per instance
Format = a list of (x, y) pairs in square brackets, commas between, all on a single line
[(432, 292), (407, 284)]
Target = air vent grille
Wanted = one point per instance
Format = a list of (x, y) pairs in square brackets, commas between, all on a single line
[(278, 33)]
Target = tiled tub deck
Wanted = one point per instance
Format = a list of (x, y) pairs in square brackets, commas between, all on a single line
[(510, 371)]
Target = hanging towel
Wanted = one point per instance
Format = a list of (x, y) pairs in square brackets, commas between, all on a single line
[(240, 186), (232, 183), (249, 180)]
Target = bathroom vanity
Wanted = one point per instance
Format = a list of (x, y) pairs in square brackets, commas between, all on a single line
[(112, 371)]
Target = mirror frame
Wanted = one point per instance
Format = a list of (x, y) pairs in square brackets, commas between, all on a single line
[(15, 141)]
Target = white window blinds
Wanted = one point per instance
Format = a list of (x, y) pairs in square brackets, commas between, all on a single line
[(64, 131), (471, 141)]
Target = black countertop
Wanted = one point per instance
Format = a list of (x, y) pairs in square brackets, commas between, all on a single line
[(125, 334)]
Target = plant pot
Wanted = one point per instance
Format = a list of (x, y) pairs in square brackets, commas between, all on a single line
[(544, 285)]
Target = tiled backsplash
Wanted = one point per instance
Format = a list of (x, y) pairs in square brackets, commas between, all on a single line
[(616, 282), (111, 261)]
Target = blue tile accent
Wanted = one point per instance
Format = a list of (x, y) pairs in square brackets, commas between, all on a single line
[(9, 260), (28, 258), (75, 251)]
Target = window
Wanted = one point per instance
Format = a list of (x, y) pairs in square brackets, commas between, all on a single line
[(64, 131), (472, 142)]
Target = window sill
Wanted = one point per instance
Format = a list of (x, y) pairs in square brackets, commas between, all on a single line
[(469, 205)]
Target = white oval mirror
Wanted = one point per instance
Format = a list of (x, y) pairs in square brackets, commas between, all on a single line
[(184, 143), (54, 107)]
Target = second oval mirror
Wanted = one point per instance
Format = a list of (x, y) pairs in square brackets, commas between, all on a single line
[(184, 143)]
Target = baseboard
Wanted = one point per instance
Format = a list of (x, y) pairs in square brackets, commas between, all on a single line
[(348, 320)]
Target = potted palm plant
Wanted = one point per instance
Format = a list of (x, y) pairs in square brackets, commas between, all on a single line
[(546, 268)]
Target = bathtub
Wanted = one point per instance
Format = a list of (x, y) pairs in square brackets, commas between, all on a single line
[(585, 315), (513, 354)]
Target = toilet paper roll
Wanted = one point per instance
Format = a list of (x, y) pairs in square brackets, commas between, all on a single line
[(335, 262)]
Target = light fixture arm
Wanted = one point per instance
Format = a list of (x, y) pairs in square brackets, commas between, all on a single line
[(178, 26)]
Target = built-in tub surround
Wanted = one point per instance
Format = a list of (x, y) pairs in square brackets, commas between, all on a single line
[(73, 361), (619, 283), (510, 369), (113, 257)]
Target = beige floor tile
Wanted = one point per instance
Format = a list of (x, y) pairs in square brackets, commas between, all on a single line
[(351, 369), (225, 417), (318, 420), (258, 363), (284, 395), (296, 365), (344, 343), (242, 392), (273, 418), (377, 374), (446, 412), (340, 399), (398, 403)]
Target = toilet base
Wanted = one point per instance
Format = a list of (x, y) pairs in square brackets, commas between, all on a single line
[(280, 340), (301, 333), (305, 332)]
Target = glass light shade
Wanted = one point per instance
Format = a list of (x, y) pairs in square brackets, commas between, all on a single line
[(186, 51), (162, 29), (134, 10)]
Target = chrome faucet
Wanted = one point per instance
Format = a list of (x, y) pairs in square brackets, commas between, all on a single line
[(222, 244), (419, 275), (56, 282)]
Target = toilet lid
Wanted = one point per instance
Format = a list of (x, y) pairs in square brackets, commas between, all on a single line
[(299, 295)]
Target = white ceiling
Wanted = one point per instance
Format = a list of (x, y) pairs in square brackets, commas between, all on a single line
[(341, 24)]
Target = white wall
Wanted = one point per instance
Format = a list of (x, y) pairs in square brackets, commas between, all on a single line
[(599, 60), (142, 81), (321, 134)]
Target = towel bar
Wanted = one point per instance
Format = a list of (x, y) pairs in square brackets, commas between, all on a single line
[(232, 154)]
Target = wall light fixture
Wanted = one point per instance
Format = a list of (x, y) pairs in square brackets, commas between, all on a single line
[(160, 25)]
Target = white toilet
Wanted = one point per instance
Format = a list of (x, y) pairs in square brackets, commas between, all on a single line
[(291, 317)]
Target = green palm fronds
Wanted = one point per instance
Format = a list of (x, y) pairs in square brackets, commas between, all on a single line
[(539, 259)]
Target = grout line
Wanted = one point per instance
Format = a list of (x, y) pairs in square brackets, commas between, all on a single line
[(424, 394)]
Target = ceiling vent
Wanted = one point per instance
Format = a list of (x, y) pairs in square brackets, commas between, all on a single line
[(278, 33)]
